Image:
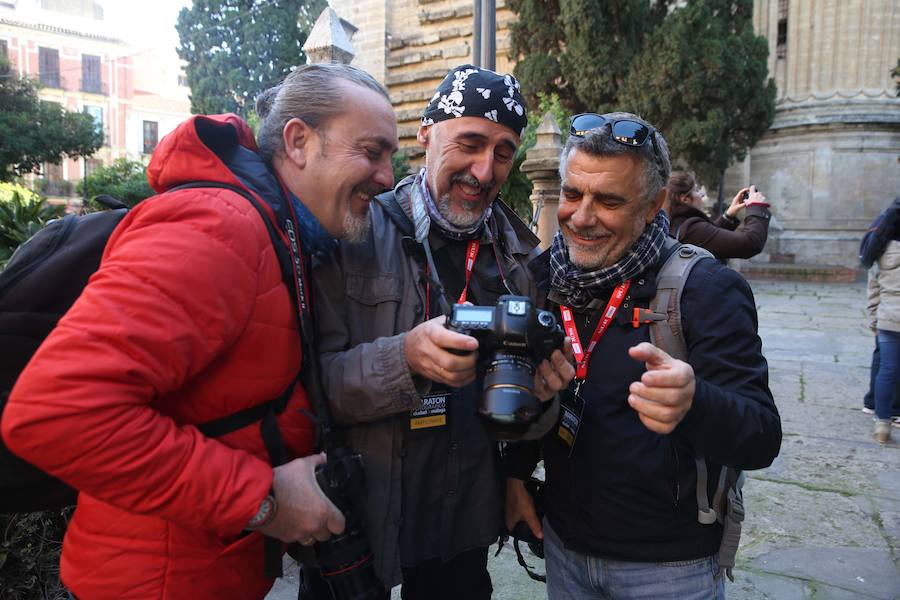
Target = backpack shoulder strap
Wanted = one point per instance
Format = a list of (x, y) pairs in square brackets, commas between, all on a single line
[(728, 506), (264, 413), (678, 261)]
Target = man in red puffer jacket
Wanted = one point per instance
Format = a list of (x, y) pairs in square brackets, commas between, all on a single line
[(186, 321)]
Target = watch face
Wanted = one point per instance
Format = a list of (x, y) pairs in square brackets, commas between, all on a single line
[(265, 513)]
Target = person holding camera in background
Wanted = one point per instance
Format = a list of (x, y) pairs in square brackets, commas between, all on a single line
[(401, 384), (621, 501), (726, 237), (189, 321)]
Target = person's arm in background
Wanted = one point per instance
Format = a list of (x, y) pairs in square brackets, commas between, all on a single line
[(726, 238)]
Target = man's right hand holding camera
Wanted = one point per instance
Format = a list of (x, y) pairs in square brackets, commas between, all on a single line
[(304, 514), (427, 349)]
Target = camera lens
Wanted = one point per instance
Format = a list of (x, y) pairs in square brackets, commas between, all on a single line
[(346, 564), (508, 403), (346, 559)]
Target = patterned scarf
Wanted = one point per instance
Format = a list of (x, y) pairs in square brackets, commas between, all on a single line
[(579, 287), (445, 227)]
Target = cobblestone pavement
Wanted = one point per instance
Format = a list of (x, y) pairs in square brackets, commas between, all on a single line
[(823, 521)]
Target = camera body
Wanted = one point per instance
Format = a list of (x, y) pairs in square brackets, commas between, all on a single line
[(345, 560), (513, 338)]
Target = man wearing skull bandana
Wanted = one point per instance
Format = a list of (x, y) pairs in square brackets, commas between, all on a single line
[(433, 494)]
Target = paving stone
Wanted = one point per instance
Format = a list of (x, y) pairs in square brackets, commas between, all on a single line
[(750, 585), (837, 572)]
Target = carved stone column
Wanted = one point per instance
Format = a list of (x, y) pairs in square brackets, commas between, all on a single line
[(329, 40), (542, 168)]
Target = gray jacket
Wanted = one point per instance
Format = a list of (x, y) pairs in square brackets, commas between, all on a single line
[(367, 296), (884, 290)]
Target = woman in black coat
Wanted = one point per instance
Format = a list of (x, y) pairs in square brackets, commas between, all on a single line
[(726, 237)]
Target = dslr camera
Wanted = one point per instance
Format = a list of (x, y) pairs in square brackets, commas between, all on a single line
[(513, 338), (346, 559)]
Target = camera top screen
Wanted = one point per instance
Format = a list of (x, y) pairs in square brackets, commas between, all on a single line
[(472, 314)]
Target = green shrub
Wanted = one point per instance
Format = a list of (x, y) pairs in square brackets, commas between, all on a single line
[(124, 179), (400, 165), (7, 189), (30, 545), (48, 187), (20, 218)]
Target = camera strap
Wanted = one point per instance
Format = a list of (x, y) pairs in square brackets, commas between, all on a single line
[(582, 355), (472, 249), (311, 369), (471, 254)]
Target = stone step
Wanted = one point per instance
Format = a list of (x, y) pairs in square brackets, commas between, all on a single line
[(801, 272)]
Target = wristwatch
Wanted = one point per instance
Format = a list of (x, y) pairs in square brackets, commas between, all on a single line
[(265, 514)]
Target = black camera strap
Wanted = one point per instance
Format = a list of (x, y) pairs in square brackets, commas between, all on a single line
[(295, 269)]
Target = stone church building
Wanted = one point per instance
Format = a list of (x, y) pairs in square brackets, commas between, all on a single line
[(829, 164)]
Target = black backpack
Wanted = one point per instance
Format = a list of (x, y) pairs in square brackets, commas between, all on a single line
[(40, 283)]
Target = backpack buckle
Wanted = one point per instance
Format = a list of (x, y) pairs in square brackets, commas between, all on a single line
[(644, 316)]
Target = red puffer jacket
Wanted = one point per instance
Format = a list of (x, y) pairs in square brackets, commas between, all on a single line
[(186, 320)]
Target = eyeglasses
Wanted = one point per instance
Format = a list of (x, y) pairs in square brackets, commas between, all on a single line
[(627, 132)]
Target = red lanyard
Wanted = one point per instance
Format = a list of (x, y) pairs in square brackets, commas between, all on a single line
[(582, 356), (471, 254)]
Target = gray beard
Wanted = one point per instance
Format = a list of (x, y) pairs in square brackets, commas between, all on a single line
[(464, 220), (356, 229)]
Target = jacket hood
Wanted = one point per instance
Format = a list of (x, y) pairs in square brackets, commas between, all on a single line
[(198, 150)]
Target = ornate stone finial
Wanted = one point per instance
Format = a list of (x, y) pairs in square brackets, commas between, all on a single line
[(542, 169), (329, 40)]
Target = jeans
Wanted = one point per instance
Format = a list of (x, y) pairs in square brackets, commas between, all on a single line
[(574, 576), (869, 398), (888, 372)]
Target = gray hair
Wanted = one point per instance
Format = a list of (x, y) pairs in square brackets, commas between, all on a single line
[(311, 93), (599, 142)]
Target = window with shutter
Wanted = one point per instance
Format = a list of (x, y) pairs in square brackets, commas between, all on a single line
[(48, 63), (90, 74)]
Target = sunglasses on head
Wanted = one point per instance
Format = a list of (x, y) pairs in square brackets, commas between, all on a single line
[(624, 131), (627, 132)]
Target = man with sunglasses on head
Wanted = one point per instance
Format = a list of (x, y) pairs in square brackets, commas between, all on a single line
[(621, 501), (404, 386)]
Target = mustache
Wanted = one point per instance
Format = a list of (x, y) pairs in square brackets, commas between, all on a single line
[(592, 233), (471, 180), (370, 190)]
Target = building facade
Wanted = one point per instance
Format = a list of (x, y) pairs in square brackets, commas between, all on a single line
[(829, 164), (133, 93)]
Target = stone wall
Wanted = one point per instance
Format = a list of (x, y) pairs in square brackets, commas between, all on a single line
[(410, 45)]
